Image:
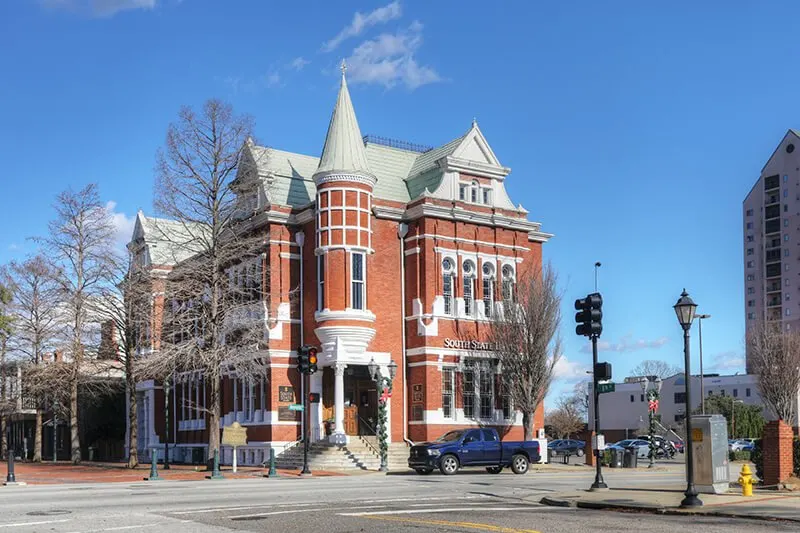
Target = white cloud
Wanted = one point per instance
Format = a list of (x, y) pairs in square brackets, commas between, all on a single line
[(298, 63), (273, 79), (569, 370), (361, 22), (100, 8), (389, 59), (123, 224), (727, 362), (626, 344), (13, 247)]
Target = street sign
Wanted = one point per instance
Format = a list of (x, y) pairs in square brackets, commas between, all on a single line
[(606, 387), (296, 407)]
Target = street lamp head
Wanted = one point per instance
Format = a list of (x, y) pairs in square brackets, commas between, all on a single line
[(701, 316), (373, 369), (684, 309), (392, 370)]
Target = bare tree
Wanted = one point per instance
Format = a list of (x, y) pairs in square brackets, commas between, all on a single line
[(774, 355), (213, 318), (33, 307), (565, 419), (580, 399), (525, 338), (6, 321), (80, 246), (652, 367), (125, 306)]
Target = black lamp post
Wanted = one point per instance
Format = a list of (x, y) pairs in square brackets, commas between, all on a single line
[(685, 309), (384, 392)]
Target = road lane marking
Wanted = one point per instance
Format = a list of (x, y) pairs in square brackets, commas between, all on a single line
[(292, 511), (119, 528), (467, 525), (238, 508), (445, 510), (38, 523)]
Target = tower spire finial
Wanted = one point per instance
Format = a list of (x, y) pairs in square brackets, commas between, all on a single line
[(343, 67)]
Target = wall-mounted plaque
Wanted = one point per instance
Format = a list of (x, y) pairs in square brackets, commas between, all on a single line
[(287, 415), (285, 394), (417, 395)]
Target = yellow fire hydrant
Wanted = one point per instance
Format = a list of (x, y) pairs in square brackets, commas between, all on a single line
[(746, 481)]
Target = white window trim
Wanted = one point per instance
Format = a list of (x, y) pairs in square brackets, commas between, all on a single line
[(344, 210), (320, 282), (469, 278), (363, 281), (449, 298)]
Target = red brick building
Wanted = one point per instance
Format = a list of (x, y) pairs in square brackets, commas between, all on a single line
[(376, 251)]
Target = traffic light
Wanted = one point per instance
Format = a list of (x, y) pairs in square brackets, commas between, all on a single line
[(590, 315), (313, 397), (307, 359)]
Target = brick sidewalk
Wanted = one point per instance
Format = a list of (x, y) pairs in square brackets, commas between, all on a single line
[(63, 472)]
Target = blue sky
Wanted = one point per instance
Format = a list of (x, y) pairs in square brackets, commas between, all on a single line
[(633, 130)]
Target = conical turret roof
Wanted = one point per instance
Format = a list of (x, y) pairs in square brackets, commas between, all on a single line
[(344, 147)]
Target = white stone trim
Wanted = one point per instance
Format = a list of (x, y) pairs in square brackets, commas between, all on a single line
[(286, 255), (347, 314), (338, 175), (391, 213), (434, 236), (412, 251)]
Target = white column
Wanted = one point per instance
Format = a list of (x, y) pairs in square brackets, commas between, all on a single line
[(316, 408), (338, 409)]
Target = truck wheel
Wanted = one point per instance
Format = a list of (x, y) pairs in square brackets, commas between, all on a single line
[(519, 464), (494, 469), (448, 465), (423, 471)]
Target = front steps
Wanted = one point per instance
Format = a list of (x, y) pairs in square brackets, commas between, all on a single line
[(357, 455)]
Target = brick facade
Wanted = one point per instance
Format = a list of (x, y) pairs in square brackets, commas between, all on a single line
[(776, 445), (435, 270)]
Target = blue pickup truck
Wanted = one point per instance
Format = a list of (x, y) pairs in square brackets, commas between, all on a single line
[(472, 447)]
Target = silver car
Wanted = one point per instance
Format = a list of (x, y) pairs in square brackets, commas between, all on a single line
[(642, 446)]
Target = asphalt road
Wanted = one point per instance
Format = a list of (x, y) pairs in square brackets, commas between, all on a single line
[(470, 501)]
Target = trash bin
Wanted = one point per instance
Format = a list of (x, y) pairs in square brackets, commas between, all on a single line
[(616, 458), (631, 458)]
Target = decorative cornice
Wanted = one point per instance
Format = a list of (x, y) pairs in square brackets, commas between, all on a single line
[(457, 164), (340, 175), (391, 213), (349, 314), (473, 217)]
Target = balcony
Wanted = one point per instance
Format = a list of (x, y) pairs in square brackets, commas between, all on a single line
[(772, 182), (773, 270), (774, 286), (773, 302), (773, 211), (772, 226), (773, 255), (774, 313), (772, 243)]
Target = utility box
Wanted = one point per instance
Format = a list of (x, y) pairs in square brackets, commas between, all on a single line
[(710, 449)]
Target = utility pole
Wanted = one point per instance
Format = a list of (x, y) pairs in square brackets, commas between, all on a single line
[(702, 386)]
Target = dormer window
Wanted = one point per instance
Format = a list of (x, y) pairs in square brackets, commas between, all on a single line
[(462, 192), (487, 196), (474, 192)]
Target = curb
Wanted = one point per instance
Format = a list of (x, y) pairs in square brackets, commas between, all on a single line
[(653, 509)]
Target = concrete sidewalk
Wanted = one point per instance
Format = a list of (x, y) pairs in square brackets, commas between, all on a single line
[(64, 472), (764, 504)]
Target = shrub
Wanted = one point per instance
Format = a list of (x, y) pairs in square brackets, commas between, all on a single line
[(739, 455), (757, 457), (605, 459)]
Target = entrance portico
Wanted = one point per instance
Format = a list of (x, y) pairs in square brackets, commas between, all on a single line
[(350, 397)]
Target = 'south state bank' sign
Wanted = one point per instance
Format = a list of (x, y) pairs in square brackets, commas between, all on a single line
[(461, 344)]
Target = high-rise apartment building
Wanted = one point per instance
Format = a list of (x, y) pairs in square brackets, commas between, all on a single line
[(771, 224)]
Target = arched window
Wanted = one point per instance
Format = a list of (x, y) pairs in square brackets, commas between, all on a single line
[(447, 285), (488, 289), (508, 283), (469, 288), (474, 192)]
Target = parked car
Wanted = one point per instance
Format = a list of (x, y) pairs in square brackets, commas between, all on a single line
[(473, 447), (642, 447), (740, 445), (678, 445), (567, 447)]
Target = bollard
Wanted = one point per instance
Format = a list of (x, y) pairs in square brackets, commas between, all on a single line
[(215, 474), (11, 478), (153, 467), (272, 471), (746, 480)]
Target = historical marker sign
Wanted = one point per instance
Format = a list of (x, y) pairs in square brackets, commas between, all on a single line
[(234, 435), (606, 387)]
